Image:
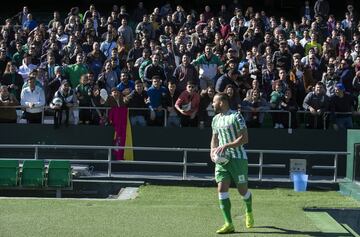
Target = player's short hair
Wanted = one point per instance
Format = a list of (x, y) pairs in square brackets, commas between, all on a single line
[(223, 97)]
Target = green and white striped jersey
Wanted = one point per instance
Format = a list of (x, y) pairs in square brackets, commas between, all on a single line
[(227, 127)]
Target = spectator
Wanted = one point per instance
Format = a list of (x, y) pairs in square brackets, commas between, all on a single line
[(185, 72), (322, 8), (173, 119), (68, 100), (188, 105), (154, 69), (206, 110), (275, 100), (234, 98), (126, 86), (75, 71), (108, 78), (137, 99), (330, 79), (32, 98), (12, 80), (317, 103), (341, 106), (83, 93), (156, 94), (209, 64), (7, 115), (230, 78), (288, 104), (254, 107)]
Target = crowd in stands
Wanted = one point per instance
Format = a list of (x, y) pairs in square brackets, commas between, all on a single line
[(169, 61)]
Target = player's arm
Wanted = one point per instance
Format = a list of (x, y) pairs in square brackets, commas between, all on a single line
[(242, 139), (214, 144)]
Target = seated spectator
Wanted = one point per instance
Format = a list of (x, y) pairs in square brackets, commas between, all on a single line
[(188, 105), (137, 99), (33, 98), (234, 98), (12, 79), (7, 115), (316, 102), (341, 102), (68, 99), (254, 107)]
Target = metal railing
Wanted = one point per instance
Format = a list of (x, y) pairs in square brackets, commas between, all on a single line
[(184, 163), (325, 115), (43, 108)]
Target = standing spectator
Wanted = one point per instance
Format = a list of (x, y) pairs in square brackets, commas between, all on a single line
[(154, 69), (139, 12), (126, 32), (75, 71), (322, 8), (209, 64), (173, 119), (188, 105), (346, 75), (156, 94), (137, 99), (288, 103), (185, 72), (7, 115), (330, 79), (107, 46), (282, 58), (316, 102), (229, 78), (341, 102), (306, 11), (33, 98), (206, 111), (108, 78), (83, 93)]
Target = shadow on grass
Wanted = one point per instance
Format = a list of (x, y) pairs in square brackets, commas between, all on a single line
[(287, 232)]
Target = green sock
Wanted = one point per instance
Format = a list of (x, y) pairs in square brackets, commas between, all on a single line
[(225, 206), (248, 203)]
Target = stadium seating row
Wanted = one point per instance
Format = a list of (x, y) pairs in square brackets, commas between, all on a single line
[(34, 174)]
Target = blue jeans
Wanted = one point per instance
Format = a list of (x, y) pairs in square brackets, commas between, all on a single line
[(344, 122), (138, 120), (173, 121)]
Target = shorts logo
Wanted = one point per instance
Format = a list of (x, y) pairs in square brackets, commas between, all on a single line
[(241, 178)]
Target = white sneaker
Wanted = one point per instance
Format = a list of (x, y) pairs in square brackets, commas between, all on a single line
[(281, 125), (277, 125)]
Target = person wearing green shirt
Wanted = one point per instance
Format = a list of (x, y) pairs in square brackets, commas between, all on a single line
[(229, 135), (75, 71)]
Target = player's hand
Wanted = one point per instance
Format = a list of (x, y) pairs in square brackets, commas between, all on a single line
[(220, 149)]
